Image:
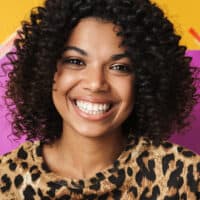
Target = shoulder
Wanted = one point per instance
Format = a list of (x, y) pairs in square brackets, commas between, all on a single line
[(171, 166), (21, 154), (170, 156), (163, 151), (14, 166), (166, 149)]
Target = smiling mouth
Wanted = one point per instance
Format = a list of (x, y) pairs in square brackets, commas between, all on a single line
[(92, 108)]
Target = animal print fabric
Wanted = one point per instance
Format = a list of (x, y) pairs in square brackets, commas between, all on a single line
[(143, 171)]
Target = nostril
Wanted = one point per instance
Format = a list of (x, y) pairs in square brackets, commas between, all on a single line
[(96, 85)]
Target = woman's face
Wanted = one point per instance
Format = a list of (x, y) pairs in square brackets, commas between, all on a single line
[(94, 82)]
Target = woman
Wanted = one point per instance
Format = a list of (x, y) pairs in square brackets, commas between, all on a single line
[(101, 84)]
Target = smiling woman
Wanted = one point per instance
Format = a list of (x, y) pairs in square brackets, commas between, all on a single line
[(97, 87), (93, 88)]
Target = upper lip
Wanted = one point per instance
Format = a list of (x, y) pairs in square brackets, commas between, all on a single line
[(94, 99)]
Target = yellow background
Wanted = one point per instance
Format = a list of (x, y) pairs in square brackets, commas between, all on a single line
[(185, 14)]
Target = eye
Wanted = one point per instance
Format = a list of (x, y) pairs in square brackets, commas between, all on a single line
[(122, 68), (72, 61)]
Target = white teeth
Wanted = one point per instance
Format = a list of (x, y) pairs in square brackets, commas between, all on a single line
[(92, 108)]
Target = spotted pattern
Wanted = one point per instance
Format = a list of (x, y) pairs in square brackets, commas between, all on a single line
[(142, 172)]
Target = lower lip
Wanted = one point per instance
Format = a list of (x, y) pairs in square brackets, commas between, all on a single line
[(92, 117)]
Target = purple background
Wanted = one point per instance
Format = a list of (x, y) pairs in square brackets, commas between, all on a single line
[(190, 140)]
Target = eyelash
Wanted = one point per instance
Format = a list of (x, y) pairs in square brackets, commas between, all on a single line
[(73, 61), (122, 68)]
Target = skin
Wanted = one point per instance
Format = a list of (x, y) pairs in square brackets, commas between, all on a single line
[(90, 71)]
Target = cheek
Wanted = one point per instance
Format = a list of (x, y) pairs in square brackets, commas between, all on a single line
[(64, 81), (129, 98), (125, 90)]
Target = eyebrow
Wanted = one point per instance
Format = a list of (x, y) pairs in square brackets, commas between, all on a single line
[(119, 56), (84, 53), (81, 51)]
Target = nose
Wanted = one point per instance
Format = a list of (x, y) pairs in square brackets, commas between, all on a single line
[(96, 79)]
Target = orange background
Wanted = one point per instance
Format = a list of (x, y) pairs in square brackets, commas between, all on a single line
[(184, 14)]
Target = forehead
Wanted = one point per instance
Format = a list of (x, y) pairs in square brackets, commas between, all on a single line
[(92, 33)]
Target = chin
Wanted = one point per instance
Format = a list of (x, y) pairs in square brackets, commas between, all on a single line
[(93, 133)]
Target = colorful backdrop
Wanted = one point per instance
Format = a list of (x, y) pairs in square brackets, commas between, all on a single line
[(184, 14)]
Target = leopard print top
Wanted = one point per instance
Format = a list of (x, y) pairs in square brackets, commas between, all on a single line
[(142, 172)]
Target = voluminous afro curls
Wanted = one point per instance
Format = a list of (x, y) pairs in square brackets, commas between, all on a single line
[(165, 82)]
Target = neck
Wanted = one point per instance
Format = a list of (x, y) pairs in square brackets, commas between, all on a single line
[(82, 157)]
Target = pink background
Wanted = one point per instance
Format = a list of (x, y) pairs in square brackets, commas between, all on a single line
[(190, 140)]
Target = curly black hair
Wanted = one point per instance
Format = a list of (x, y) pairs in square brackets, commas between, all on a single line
[(165, 82)]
